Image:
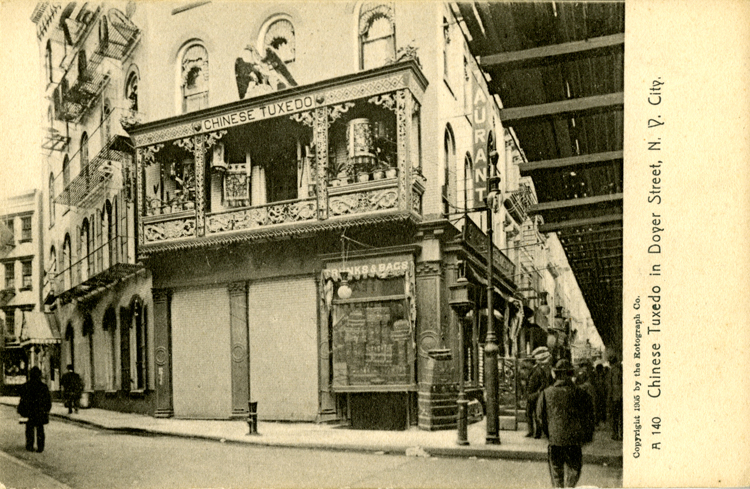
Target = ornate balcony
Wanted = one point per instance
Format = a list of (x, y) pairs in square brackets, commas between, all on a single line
[(118, 36), (331, 155), (80, 87), (103, 174), (108, 263)]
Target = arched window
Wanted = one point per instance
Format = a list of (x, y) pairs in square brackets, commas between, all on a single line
[(48, 61), (377, 35), (131, 91), (88, 332), (280, 37), (66, 172), (105, 124), (110, 234), (468, 183), (449, 162), (86, 250), (51, 199), (84, 151), (138, 340), (52, 269), (194, 77), (109, 324), (70, 345), (67, 263)]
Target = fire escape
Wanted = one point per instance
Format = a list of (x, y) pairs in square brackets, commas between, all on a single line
[(106, 254)]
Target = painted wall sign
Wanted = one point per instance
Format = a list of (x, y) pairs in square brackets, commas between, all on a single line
[(382, 267), (266, 111), (480, 120)]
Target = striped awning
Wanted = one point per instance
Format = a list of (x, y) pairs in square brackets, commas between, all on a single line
[(39, 328)]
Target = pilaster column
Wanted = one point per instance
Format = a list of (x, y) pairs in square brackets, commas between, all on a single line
[(199, 152), (404, 128), (240, 347), (163, 352), (320, 132), (140, 185)]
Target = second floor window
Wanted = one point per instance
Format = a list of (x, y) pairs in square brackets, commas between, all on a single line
[(131, 91), (26, 228), (280, 37), (66, 172), (10, 322), (10, 275), (11, 231), (377, 35), (26, 274), (194, 79)]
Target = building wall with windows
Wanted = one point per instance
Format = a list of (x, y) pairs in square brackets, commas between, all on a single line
[(22, 262), (92, 283), (154, 66)]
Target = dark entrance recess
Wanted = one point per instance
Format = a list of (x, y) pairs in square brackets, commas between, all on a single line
[(379, 411)]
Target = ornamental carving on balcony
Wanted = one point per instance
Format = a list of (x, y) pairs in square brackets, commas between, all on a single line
[(416, 203), (148, 153), (385, 100), (320, 140), (362, 202), (402, 119), (336, 111), (262, 216), (213, 137), (188, 144), (305, 118), (362, 90), (161, 231)]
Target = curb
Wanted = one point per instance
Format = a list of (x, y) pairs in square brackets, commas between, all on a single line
[(530, 455)]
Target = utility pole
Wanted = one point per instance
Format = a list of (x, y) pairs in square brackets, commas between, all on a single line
[(491, 349)]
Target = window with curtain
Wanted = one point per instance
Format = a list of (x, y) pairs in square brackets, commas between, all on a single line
[(194, 78), (280, 37), (26, 275), (131, 91), (51, 199), (377, 35)]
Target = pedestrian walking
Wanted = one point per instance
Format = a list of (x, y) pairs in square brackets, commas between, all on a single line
[(566, 415), (72, 387), (614, 396), (540, 379), (35, 405)]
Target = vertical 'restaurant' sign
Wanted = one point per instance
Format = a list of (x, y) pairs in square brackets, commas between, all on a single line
[(480, 128)]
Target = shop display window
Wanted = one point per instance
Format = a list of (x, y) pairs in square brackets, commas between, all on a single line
[(372, 337)]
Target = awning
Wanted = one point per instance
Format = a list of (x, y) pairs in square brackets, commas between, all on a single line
[(39, 328)]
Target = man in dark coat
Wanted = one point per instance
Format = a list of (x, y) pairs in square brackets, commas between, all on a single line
[(72, 387), (35, 404), (566, 413), (539, 380)]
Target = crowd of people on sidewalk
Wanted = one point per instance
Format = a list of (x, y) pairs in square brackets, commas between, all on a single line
[(567, 406)]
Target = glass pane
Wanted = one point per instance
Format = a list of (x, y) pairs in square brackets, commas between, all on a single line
[(372, 344)]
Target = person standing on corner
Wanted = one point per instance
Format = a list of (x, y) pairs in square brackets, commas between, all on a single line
[(566, 413), (35, 404), (539, 380), (72, 387)]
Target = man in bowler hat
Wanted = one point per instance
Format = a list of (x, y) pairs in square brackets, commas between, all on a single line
[(566, 413), (539, 380), (35, 404)]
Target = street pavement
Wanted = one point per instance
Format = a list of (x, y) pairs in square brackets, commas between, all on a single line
[(514, 444), (85, 457)]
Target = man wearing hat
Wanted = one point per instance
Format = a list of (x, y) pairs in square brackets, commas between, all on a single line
[(566, 413), (539, 380)]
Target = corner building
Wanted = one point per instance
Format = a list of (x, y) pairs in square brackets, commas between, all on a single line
[(308, 181)]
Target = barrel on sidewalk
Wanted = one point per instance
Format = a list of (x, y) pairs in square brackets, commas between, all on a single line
[(252, 418)]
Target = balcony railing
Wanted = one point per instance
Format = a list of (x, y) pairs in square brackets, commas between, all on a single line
[(104, 173), (120, 35), (80, 87), (347, 151), (109, 263)]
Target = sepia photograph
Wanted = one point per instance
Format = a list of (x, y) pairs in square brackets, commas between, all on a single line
[(338, 244)]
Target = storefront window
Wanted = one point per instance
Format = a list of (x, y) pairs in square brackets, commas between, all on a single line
[(14, 366), (372, 345)]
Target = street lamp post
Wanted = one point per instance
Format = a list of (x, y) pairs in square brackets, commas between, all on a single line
[(491, 349), (461, 302)]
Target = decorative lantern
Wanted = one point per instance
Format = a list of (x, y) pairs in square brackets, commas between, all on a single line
[(344, 291)]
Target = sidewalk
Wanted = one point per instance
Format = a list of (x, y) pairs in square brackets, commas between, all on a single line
[(514, 444)]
